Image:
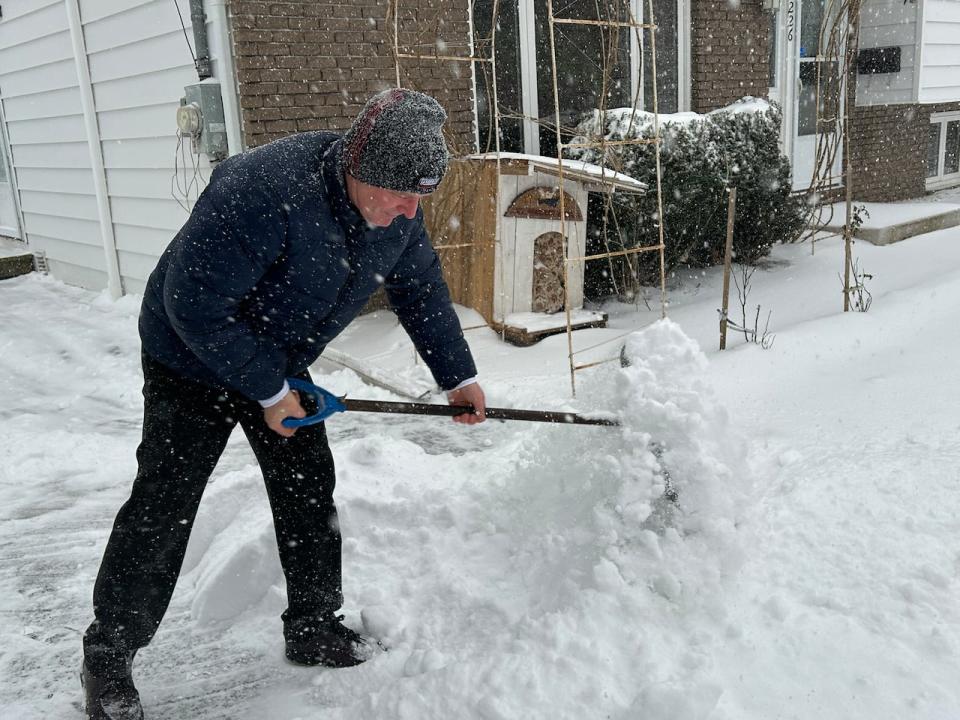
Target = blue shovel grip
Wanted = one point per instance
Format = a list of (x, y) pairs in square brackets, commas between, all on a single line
[(327, 404)]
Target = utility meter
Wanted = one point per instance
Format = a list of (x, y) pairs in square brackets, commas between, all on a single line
[(200, 118), (189, 118)]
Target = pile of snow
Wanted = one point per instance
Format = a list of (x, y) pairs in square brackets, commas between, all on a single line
[(531, 579)]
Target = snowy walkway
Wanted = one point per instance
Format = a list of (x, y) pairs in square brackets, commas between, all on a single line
[(815, 574)]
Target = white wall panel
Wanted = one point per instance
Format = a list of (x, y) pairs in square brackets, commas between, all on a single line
[(886, 23), (141, 122), (147, 56), (36, 53), (54, 154), (69, 230), (65, 128), (143, 153), (940, 73), (139, 182), (67, 205), (39, 23), (41, 105), (93, 10), (143, 240), (139, 65), (40, 79), (67, 256), (154, 88), (939, 55), (63, 180), (48, 142), (941, 77), (938, 95), (142, 21), (136, 269), (139, 62), (25, 8), (157, 214)]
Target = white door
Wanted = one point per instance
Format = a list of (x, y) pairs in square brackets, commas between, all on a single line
[(9, 225), (807, 68)]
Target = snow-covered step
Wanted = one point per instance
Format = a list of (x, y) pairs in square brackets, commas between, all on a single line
[(14, 259), (888, 223)]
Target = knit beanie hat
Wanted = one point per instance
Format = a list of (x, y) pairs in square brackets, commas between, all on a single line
[(396, 143)]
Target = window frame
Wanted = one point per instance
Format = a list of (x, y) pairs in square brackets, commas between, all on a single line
[(941, 180), (529, 70)]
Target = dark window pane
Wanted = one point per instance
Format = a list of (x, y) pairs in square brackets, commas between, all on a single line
[(583, 52), (508, 76), (811, 14), (951, 155), (665, 16), (807, 117), (807, 96), (933, 150)]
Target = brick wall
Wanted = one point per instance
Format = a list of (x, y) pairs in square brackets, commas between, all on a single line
[(312, 64), (888, 146), (729, 48)]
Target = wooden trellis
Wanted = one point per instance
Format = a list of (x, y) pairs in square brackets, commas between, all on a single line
[(611, 10)]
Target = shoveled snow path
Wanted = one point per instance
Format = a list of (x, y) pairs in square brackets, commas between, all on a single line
[(70, 417)]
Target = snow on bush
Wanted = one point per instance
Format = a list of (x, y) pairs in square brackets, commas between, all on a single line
[(701, 156)]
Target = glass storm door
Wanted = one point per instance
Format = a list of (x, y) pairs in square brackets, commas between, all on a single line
[(813, 71), (9, 226)]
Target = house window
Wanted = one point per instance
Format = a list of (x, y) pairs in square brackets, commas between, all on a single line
[(595, 67), (668, 56), (508, 76), (943, 150)]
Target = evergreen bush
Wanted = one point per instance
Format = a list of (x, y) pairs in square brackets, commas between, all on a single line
[(701, 156)]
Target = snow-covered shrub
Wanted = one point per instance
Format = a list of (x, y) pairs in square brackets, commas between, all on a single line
[(701, 156)]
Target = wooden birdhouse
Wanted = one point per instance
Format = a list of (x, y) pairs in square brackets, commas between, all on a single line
[(501, 239)]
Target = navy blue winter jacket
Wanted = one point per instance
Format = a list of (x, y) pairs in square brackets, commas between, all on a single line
[(275, 261)]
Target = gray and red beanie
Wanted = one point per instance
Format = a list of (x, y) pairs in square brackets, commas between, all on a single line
[(396, 142)]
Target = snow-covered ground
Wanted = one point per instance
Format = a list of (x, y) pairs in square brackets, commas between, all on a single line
[(812, 570)]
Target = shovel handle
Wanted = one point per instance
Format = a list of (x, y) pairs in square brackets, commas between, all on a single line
[(327, 404)]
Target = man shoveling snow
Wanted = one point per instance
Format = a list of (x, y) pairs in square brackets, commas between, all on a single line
[(281, 252)]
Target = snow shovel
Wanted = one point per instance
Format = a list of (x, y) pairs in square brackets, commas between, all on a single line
[(329, 404)]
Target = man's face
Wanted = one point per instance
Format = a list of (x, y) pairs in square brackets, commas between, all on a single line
[(380, 206)]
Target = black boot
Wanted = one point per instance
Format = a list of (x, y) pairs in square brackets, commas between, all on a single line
[(111, 698), (324, 640)]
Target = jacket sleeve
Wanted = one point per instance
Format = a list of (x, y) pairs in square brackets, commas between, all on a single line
[(229, 242), (420, 298)]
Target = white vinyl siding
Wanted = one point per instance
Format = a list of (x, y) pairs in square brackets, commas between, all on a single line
[(44, 123), (139, 62), (889, 23), (940, 55)]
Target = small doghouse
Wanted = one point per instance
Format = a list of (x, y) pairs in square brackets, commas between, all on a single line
[(509, 266)]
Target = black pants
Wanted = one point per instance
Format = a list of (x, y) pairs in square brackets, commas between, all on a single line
[(186, 425)]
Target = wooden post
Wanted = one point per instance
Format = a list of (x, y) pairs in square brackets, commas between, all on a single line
[(727, 260), (853, 44)]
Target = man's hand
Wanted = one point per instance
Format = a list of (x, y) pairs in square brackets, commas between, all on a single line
[(289, 406), (471, 394)]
